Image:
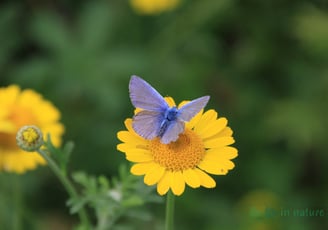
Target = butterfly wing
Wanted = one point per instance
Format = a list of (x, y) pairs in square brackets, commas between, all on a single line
[(147, 123), (190, 109), (144, 96), (174, 128)]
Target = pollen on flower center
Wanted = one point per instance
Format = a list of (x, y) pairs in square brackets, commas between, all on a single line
[(30, 135), (185, 153)]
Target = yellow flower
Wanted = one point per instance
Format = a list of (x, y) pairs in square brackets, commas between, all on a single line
[(19, 108), (153, 6), (202, 148)]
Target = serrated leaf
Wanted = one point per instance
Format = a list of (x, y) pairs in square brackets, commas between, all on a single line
[(76, 205), (103, 182), (132, 201), (80, 177)]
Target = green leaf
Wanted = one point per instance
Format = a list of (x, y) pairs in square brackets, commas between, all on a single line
[(75, 204), (132, 201)]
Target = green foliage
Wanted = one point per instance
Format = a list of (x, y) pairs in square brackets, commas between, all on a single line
[(312, 30), (60, 156), (9, 39), (113, 200), (109, 200)]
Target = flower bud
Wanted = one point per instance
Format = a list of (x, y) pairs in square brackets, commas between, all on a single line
[(29, 138)]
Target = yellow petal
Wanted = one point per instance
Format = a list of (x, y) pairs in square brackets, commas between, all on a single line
[(127, 147), (211, 167), (9, 93), (177, 183), (170, 101), (49, 112), (164, 184), (28, 97), (182, 103), (124, 147), (154, 175), (207, 118), (218, 142), (216, 167), (141, 168), (4, 113), (205, 180), (191, 178), (126, 136), (20, 161), (213, 128), (226, 132), (226, 152), (54, 129), (139, 155), (128, 125)]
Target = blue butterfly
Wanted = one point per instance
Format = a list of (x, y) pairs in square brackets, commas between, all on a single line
[(157, 119)]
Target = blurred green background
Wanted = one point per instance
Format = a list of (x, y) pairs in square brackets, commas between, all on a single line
[(264, 63)]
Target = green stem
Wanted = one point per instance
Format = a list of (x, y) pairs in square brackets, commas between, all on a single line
[(17, 194), (169, 211), (67, 184)]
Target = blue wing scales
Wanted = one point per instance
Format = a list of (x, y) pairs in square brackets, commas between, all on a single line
[(144, 96), (147, 123), (193, 107), (172, 132)]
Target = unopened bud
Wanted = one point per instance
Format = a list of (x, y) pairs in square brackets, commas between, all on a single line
[(29, 138)]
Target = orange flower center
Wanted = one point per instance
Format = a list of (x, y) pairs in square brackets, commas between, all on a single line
[(7, 141), (185, 153), (19, 116)]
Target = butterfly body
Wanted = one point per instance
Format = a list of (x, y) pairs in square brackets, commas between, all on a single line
[(157, 118), (170, 115)]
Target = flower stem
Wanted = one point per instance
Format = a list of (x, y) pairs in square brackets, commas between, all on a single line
[(17, 194), (67, 184), (169, 211)]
